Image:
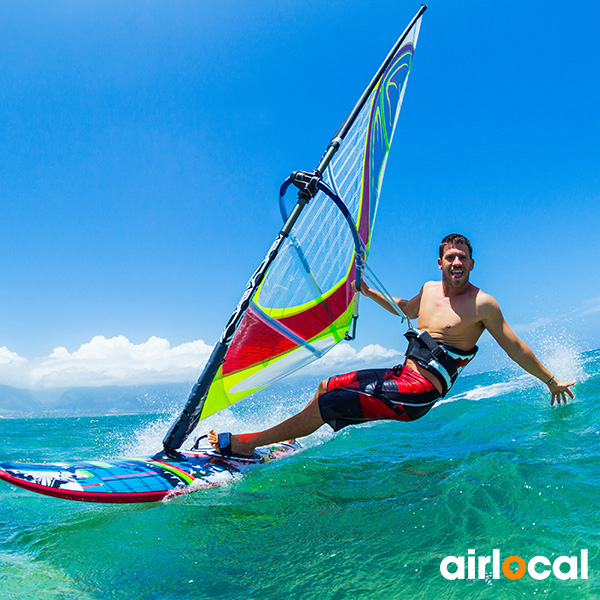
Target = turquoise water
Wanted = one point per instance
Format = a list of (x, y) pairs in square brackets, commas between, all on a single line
[(367, 513)]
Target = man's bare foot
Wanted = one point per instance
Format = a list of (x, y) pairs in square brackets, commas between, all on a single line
[(242, 445), (243, 448)]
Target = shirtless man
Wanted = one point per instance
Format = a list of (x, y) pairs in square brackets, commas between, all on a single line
[(452, 314)]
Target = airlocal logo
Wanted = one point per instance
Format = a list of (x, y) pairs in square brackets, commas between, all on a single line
[(538, 567)]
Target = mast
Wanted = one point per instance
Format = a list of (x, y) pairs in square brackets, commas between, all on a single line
[(308, 183)]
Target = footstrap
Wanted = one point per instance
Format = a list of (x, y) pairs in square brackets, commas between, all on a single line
[(225, 444)]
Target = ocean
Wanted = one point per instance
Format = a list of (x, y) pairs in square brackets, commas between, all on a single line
[(367, 513)]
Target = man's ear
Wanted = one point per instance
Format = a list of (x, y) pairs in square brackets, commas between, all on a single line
[(440, 264)]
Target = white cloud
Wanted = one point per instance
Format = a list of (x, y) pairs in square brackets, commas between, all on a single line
[(8, 358), (118, 361), (106, 361)]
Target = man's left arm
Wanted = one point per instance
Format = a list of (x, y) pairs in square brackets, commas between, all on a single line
[(517, 350)]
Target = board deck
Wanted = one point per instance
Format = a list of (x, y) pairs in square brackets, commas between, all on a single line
[(145, 479)]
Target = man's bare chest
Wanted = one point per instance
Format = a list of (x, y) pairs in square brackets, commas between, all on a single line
[(454, 320)]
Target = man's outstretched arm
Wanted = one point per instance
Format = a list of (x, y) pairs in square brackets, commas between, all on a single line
[(409, 307), (494, 322)]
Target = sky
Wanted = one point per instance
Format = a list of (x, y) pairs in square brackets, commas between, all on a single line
[(143, 144)]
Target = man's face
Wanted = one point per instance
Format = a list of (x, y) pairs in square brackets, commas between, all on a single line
[(456, 264)]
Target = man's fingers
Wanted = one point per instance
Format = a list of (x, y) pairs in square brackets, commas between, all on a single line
[(560, 397)]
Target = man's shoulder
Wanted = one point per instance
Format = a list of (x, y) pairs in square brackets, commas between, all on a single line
[(431, 285), (486, 301)]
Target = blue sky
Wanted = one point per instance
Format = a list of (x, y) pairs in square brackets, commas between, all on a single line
[(143, 144)]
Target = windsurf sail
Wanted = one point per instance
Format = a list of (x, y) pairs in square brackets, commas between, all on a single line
[(299, 303)]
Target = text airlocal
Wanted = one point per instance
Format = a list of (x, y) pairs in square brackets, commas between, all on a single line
[(538, 567)]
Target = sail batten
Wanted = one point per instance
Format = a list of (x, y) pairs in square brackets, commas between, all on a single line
[(299, 302)]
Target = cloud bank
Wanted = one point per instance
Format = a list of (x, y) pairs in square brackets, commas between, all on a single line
[(106, 361), (118, 361)]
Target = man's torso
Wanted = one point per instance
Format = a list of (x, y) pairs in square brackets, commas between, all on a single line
[(452, 319)]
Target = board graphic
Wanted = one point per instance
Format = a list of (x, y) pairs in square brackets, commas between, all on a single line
[(145, 479)]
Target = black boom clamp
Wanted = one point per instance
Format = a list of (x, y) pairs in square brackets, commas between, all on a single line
[(307, 183)]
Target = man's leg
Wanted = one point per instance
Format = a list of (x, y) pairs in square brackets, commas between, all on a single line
[(304, 423)]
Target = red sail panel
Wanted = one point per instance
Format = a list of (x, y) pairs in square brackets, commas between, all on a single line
[(256, 341)]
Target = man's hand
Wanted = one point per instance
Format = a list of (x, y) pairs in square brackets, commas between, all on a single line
[(364, 288), (560, 390)]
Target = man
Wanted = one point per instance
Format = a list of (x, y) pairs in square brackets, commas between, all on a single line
[(452, 314)]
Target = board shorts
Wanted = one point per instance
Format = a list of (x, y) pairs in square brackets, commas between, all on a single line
[(400, 394)]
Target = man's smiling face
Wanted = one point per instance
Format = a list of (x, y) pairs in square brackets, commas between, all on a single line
[(456, 264)]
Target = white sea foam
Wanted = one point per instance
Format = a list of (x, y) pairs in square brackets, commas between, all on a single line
[(493, 390), (561, 355), (270, 410)]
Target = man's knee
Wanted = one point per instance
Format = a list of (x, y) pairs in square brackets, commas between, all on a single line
[(322, 387)]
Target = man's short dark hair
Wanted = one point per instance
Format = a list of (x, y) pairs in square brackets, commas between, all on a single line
[(454, 239)]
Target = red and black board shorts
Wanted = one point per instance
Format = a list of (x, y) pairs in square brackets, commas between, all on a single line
[(400, 394)]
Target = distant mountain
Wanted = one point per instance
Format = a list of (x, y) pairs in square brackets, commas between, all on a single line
[(14, 401), (108, 400), (121, 400)]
